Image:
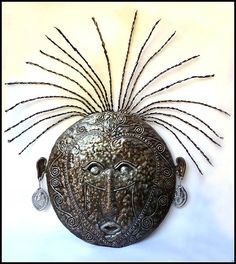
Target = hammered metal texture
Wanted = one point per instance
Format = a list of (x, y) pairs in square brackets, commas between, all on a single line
[(111, 179)]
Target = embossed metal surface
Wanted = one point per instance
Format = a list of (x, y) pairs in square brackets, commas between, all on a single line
[(111, 179)]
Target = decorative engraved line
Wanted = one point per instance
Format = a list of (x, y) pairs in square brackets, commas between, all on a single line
[(53, 188), (95, 187), (125, 187), (56, 204), (132, 199), (141, 215), (104, 189), (51, 165), (85, 196)]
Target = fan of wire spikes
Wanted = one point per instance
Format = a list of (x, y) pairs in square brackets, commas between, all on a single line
[(129, 99)]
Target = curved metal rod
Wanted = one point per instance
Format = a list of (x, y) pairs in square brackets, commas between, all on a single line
[(44, 111), (31, 142), (153, 121)]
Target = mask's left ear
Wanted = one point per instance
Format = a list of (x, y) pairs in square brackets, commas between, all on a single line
[(180, 167), (180, 193)]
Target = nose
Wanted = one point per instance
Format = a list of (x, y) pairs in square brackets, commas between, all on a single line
[(109, 192), (110, 228)]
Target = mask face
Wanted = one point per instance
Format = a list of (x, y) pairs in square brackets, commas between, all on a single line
[(111, 179)]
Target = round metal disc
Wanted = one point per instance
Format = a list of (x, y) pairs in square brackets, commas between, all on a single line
[(40, 199), (181, 196)]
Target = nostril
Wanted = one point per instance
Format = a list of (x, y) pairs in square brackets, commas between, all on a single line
[(110, 228)]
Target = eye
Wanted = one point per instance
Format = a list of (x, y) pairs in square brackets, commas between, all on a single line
[(94, 168), (125, 167)]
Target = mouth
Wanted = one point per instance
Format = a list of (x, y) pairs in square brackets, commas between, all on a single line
[(110, 228)]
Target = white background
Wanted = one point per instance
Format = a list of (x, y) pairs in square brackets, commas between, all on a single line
[(203, 229)]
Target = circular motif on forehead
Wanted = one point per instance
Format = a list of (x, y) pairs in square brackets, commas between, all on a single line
[(160, 147), (100, 117), (81, 129), (111, 179), (62, 145), (120, 119), (138, 129), (115, 142)]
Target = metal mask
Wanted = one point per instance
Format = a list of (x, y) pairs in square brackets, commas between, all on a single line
[(111, 177)]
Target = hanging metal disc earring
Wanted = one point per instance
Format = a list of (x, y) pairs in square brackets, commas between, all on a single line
[(40, 198)]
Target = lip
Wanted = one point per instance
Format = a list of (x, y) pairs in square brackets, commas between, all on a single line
[(110, 228)]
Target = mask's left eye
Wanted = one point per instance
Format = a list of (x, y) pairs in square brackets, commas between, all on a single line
[(125, 167), (94, 167)]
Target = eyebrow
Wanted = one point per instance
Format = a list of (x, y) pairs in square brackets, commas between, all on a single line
[(87, 164), (126, 162)]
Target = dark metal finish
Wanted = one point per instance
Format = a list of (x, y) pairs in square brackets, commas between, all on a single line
[(111, 179)]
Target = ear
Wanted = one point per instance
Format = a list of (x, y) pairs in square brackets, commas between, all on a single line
[(180, 167)]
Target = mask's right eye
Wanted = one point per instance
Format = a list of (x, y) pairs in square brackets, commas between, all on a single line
[(94, 168)]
